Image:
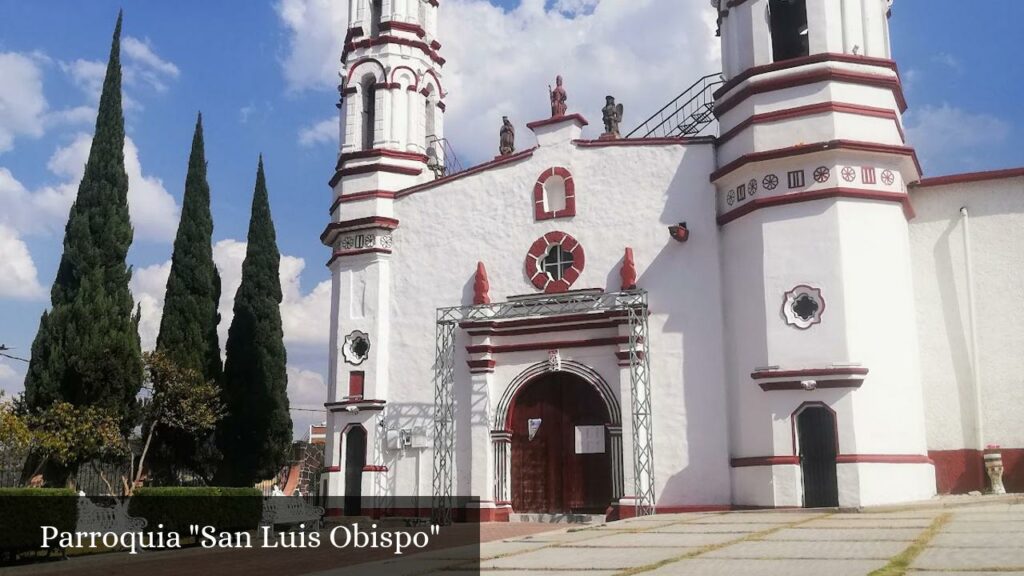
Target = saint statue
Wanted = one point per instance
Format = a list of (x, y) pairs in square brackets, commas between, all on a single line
[(507, 140), (558, 99), (612, 114)]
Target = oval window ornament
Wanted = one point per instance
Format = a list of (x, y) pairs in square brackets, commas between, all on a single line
[(356, 347)]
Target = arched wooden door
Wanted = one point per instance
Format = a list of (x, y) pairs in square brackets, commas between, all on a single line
[(561, 458), (355, 460), (816, 430)]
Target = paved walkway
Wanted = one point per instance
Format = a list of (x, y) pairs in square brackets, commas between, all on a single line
[(984, 538)]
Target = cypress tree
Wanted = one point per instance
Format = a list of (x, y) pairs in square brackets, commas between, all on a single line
[(256, 434), (87, 349), (188, 328)]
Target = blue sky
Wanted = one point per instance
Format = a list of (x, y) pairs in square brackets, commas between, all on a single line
[(262, 73)]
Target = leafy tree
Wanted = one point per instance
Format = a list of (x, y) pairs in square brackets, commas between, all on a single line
[(87, 352), (256, 434), (180, 400), (68, 436), (188, 328), (14, 433)]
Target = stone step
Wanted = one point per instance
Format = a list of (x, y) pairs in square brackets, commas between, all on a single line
[(558, 518)]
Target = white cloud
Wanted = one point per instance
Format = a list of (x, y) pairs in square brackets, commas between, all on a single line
[(500, 62), (323, 132), (7, 374), (950, 139), (317, 34), (148, 287), (22, 105), (306, 391), (154, 212), (18, 277), (141, 52), (305, 317)]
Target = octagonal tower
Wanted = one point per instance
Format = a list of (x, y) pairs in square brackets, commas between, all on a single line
[(825, 393)]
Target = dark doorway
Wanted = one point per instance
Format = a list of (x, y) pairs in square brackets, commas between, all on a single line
[(355, 460), (552, 473), (376, 13), (788, 21), (369, 87), (816, 429)]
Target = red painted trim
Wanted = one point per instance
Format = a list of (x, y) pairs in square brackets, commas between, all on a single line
[(379, 153), (537, 251), (803, 149), (359, 402), (499, 161), (796, 385), (557, 120), (359, 63), (437, 81), (883, 459), (570, 195), (354, 32), (404, 27), (644, 142), (764, 461), (530, 346), (375, 468), (795, 62), (482, 364), (346, 253), (891, 83), (394, 74), (385, 40), (797, 197), (547, 329), (970, 177), (371, 168), (812, 110), (354, 197), (809, 372), (334, 469)]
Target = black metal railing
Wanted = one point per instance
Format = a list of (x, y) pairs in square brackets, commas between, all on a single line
[(686, 115)]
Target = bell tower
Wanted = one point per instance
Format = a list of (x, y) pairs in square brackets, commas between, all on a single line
[(826, 399), (391, 121)]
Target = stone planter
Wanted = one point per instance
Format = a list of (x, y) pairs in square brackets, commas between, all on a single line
[(994, 468)]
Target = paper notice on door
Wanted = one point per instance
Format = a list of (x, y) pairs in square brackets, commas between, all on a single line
[(590, 439), (533, 425)]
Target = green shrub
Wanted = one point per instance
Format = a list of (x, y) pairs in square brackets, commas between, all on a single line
[(24, 512), (177, 508)]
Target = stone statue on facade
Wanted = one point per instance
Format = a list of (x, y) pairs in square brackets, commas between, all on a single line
[(612, 114), (558, 98), (507, 139)]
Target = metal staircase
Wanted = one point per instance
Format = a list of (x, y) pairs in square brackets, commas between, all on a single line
[(686, 115)]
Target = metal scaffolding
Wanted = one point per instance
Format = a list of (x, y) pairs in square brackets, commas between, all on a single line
[(632, 302)]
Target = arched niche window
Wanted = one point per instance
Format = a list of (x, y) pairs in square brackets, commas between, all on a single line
[(369, 93), (788, 22), (554, 194), (376, 13), (429, 120)]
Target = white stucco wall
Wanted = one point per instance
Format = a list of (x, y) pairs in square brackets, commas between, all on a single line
[(625, 196), (996, 209)]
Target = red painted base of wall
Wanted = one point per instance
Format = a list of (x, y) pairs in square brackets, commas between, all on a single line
[(963, 471), (617, 512)]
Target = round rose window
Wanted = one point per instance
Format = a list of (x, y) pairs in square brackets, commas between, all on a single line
[(554, 262)]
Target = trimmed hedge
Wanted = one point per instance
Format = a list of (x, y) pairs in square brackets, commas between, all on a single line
[(24, 512), (178, 508)]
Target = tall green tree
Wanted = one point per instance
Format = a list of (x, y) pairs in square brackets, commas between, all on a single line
[(188, 328), (87, 350), (255, 436)]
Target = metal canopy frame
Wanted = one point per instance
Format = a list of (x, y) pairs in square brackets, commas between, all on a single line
[(632, 302)]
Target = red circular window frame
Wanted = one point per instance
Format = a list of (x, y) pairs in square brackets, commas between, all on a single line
[(539, 250)]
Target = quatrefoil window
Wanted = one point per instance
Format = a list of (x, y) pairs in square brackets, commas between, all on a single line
[(803, 306)]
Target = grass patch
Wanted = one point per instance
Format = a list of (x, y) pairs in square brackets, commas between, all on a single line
[(899, 564)]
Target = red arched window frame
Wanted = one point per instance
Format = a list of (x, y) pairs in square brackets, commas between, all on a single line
[(539, 211), (539, 250)]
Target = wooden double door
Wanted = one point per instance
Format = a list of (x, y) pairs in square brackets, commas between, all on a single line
[(554, 471)]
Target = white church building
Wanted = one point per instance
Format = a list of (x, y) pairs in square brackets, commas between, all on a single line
[(785, 314)]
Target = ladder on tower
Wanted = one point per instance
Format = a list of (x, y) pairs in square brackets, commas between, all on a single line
[(686, 115)]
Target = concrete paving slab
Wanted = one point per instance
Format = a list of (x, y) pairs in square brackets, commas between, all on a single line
[(962, 573), (868, 523), (810, 550), (486, 550), (404, 567), (757, 518), (655, 540), (993, 539), (591, 559), (979, 559), (562, 536), (847, 534), (955, 525), (721, 567), (692, 528), (475, 572), (1000, 517), (648, 525)]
